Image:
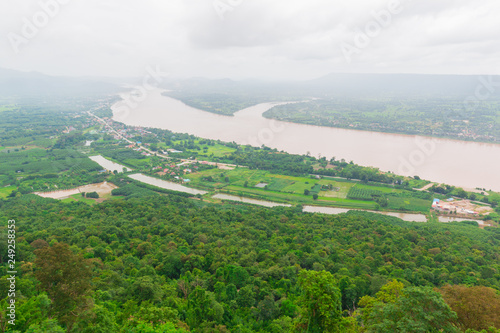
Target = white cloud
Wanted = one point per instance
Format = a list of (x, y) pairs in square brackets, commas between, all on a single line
[(255, 38)]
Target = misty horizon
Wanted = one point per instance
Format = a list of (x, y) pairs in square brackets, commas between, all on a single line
[(249, 39)]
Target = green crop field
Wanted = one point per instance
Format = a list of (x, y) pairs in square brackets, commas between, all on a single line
[(278, 184), (362, 193), (8, 108), (5, 191), (291, 189), (315, 189), (298, 198), (78, 197), (412, 204), (217, 150), (341, 193), (384, 189), (347, 203), (269, 195)]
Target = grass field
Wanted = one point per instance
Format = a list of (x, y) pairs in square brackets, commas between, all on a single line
[(383, 189), (5, 191), (278, 183), (78, 197), (134, 163), (216, 150), (8, 108), (412, 204), (9, 150), (297, 198), (42, 143)]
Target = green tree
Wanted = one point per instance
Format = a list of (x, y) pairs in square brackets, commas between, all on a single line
[(416, 310), (32, 311), (66, 278), (202, 306), (231, 292), (93, 195), (246, 297), (48, 326), (320, 302), (145, 288), (476, 307), (144, 327), (99, 320)]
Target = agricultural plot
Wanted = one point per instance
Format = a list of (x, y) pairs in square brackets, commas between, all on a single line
[(279, 184), (341, 190), (315, 189), (40, 161), (409, 204), (347, 203), (8, 108), (363, 193), (301, 183), (6, 191), (290, 189), (238, 176), (383, 189), (269, 195), (43, 143), (136, 164), (217, 150), (78, 197)]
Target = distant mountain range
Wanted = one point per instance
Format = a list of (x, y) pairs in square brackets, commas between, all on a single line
[(407, 84), (16, 83), (352, 85), (33, 84)]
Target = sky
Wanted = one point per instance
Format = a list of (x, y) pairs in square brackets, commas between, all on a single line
[(238, 39)]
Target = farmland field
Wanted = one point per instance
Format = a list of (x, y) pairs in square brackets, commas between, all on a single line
[(5, 191), (281, 188), (217, 150), (363, 193), (411, 204), (8, 108)]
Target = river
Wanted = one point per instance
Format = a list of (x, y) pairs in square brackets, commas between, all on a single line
[(334, 211), (165, 184), (459, 163), (249, 201), (109, 165)]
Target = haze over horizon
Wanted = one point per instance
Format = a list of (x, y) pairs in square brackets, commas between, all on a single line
[(241, 39)]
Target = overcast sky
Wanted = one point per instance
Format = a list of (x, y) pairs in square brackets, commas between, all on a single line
[(287, 39)]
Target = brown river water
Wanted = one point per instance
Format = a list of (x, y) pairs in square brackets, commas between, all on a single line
[(459, 163)]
